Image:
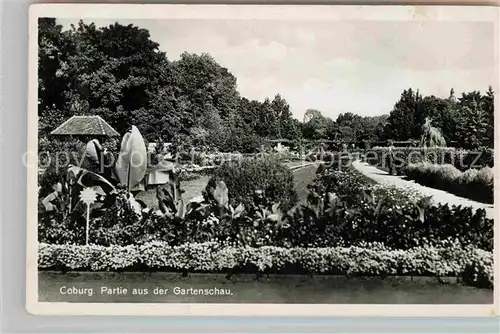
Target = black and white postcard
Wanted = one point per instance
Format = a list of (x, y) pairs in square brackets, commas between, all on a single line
[(261, 160)]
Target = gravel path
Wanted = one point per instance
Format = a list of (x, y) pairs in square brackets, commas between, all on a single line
[(438, 196)]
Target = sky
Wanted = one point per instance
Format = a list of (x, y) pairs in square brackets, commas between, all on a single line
[(335, 66)]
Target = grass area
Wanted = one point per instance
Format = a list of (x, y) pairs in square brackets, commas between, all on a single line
[(246, 289), (194, 188), (304, 177)]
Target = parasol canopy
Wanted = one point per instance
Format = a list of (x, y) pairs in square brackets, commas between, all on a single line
[(85, 126)]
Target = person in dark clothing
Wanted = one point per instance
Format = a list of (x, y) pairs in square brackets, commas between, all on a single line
[(391, 165)]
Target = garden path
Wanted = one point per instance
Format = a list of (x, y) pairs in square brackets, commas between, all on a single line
[(438, 196)]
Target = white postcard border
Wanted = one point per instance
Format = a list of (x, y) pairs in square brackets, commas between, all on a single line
[(236, 12)]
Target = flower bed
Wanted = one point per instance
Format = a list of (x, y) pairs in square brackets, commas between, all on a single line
[(400, 218), (474, 266), (474, 184), (460, 159), (343, 209)]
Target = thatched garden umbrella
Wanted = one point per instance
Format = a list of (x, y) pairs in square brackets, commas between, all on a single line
[(85, 126)]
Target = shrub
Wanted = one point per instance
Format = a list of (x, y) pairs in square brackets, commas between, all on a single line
[(485, 175), (343, 209), (473, 184), (400, 218), (112, 145), (449, 259), (265, 175), (59, 153), (461, 159)]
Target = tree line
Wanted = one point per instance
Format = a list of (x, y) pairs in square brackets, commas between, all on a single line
[(466, 121), (119, 73)]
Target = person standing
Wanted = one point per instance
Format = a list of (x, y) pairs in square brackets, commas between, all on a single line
[(391, 158)]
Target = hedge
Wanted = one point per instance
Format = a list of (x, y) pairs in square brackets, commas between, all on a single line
[(264, 174), (473, 184), (474, 266), (461, 159)]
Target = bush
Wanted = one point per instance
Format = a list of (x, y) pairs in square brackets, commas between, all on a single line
[(263, 176), (343, 209), (459, 158), (55, 152), (400, 218), (473, 184), (449, 259), (485, 176)]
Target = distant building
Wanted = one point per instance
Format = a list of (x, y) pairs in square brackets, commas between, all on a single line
[(452, 97)]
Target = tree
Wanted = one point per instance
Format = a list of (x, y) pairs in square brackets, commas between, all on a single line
[(310, 114), (318, 126), (54, 47), (488, 105), (401, 122), (440, 111), (352, 126), (474, 120), (113, 70), (204, 81), (267, 122), (472, 127), (289, 128), (467, 122), (373, 129)]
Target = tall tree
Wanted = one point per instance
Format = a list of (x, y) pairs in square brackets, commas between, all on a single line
[(205, 82), (318, 126), (401, 122), (488, 105), (113, 72), (54, 47)]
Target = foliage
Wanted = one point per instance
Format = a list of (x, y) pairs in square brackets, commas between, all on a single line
[(474, 266), (473, 183), (132, 160), (118, 72), (257, 179), (431, 136), (461, 159), (65, 222), (55, 152), (316, 126), (466, 123), (112, 180), (106, 71), (343, 209), (399, 218)]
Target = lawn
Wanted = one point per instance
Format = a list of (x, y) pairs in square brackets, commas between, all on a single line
[(193, 188), (304, 177), (246, 289)]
